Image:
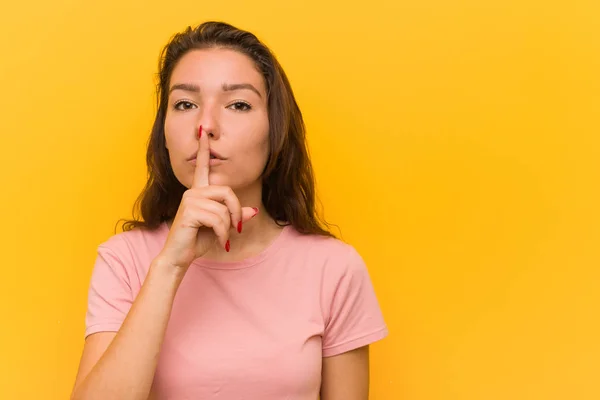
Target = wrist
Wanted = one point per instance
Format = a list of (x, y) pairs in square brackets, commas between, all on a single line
[(166, 269)]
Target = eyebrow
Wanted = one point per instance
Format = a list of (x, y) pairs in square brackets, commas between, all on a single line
[(227, 87), (188, 87), (239, 86)]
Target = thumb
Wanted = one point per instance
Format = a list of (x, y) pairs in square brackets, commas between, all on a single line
[(248, 213)]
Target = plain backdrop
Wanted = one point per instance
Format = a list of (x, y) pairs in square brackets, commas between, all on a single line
[(455, 143)]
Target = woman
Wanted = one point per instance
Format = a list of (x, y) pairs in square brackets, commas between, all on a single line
[(229, 287)]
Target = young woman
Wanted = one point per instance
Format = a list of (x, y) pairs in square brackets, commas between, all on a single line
[(229, 287)]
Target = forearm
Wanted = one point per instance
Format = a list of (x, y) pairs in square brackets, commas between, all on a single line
[(126, 369)]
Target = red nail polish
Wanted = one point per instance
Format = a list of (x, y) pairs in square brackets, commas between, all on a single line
[(239, 227), (200, 132), (255, 210), (227, 246)]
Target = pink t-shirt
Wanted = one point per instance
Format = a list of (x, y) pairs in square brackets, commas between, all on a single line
[(253, 329)]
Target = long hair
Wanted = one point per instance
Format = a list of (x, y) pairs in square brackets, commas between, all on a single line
[(288, 190)]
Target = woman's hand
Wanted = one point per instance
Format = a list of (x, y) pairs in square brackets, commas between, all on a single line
[(205, 215)]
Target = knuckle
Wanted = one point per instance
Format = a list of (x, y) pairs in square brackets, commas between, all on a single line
[(206, 216), (223, 209), (189, 196), (226, 217), (189, 212), (186, 201)]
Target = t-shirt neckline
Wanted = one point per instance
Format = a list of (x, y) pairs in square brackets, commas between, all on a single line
[(245, 263)]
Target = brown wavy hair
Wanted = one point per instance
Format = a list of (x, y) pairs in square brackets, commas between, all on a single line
[(288, 191)]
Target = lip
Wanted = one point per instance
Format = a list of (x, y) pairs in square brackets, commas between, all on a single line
[(212, 162), (213, 153)]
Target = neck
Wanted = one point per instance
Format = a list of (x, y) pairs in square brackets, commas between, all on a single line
[(256, 236), (257, 233)]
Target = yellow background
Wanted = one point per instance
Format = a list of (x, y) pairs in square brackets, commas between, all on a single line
[(455, 143)]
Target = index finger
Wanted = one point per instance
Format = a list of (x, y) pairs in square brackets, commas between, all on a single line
[(202, 161)]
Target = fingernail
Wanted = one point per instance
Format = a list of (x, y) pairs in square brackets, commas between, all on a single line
[(240, 227), (200, 132), (255, 210), (227, 246)]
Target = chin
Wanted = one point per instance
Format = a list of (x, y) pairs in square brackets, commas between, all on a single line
[(221, 180), (218, 180)]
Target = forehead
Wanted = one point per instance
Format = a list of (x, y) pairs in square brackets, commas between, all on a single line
[(213, 67)]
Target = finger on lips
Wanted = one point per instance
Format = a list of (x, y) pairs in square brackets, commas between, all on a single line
[(202, 161), (232, 214)]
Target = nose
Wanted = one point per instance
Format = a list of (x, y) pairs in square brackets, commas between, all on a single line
[(209, 123)]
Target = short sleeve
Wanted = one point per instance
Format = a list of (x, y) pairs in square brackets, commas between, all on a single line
[(110, 295), (355, 319)]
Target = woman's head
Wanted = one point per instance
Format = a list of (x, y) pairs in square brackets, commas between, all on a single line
[(221, 90), (226, 80)]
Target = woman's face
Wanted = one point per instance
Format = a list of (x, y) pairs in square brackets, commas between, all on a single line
[(221, 90)]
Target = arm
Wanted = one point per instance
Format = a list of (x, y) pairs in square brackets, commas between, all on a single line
[(346, 376), (122, 365)]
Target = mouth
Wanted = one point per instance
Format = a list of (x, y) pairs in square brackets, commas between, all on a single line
[(213, 156)]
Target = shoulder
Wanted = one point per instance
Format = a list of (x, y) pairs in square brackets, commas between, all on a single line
[(127, 256), (334, 255), (139, 240)]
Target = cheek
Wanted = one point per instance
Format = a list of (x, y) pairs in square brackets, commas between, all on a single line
[(263, 147), (175, 134), (253, 155), (261, 151), (169, 133)]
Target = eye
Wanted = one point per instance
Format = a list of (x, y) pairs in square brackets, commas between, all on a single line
[(240, 106), (184, 105)]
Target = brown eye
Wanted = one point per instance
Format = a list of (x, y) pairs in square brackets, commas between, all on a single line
[(240, 106), (184, 105)]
